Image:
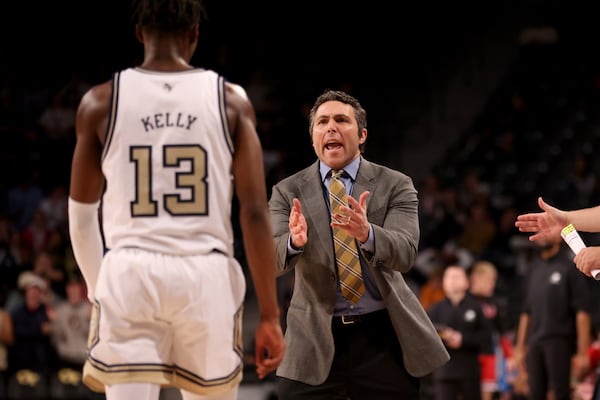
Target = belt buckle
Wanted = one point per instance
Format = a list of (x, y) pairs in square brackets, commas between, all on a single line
[(349, 319)]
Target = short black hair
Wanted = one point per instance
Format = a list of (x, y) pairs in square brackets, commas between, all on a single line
[(168, 16)]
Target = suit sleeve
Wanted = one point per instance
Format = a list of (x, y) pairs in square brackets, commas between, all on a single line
[(395, 224), (280, 206)]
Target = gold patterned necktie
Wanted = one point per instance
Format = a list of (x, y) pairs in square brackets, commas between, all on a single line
[(346, 253)]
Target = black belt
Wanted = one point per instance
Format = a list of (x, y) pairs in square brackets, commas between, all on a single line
[(359, 318)]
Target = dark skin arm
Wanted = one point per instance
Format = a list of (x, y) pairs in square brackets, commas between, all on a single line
[(256, 228), (87, 180)]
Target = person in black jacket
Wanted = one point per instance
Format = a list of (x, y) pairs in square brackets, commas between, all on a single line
[(554, 332), (494, 374), (466, 333)]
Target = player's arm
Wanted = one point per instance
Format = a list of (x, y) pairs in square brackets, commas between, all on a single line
[(87, 183), (549, 222), (256, 227), (250, 186), (585, 219)]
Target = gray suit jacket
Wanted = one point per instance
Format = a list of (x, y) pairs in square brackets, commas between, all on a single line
[(392, 211)]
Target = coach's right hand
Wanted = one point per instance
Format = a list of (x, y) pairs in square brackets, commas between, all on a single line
[(297, 225)]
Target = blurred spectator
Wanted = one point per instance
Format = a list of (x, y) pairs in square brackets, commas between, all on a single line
[(494, 379), (32, 348), (7, 338), (54, 208), (71, 325), (36, 234), (479, 228), (466, 333), (554, 331), (588, 388), (45, 267), (432, 290)]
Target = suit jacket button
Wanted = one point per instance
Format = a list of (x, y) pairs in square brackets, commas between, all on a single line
[(379, 263), (333, 277)]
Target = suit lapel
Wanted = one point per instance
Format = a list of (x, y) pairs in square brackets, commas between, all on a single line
[(365, 181), (315, 211)]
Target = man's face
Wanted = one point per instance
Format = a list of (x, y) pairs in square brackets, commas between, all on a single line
[(335, 135)]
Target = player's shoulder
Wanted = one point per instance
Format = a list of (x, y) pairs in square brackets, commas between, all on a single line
[(237, 101), (102, 89), (97, 97), (236, 89)]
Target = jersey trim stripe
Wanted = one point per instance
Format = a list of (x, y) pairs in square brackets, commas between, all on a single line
[(112, 116), (223, 111), (96, 376), (159, 369)]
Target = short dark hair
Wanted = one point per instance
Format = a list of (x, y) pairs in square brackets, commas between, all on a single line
[(168, 16), (343, 97)]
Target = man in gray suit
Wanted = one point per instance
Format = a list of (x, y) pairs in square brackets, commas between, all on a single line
[(382, 345)]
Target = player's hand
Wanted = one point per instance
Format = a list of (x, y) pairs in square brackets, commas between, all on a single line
[(270, 346), (297, 225), (543, 225)]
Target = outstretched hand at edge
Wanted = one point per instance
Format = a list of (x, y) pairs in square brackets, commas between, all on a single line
[(544, 225)]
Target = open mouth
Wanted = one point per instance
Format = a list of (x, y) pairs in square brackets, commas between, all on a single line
[(333, 146)]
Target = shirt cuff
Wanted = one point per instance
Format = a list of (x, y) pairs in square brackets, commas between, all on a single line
[(369, 245), (291, 250)]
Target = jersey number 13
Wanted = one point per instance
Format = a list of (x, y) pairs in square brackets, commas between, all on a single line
[(194, 179)]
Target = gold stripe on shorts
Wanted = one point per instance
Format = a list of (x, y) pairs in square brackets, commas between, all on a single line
[(96, 375)]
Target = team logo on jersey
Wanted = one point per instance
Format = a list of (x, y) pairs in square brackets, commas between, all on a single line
[(555, 278), (168, 87), (470, 315), (489, 310)]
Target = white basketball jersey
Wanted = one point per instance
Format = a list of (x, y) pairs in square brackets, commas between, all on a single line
[(167, 160)]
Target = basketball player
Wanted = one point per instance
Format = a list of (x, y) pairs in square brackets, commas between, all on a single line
[(161, 147)]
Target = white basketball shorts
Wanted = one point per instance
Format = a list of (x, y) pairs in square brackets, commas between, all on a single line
[(171, 320)]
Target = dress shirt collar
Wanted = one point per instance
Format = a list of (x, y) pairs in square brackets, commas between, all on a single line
[(351, 169)]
